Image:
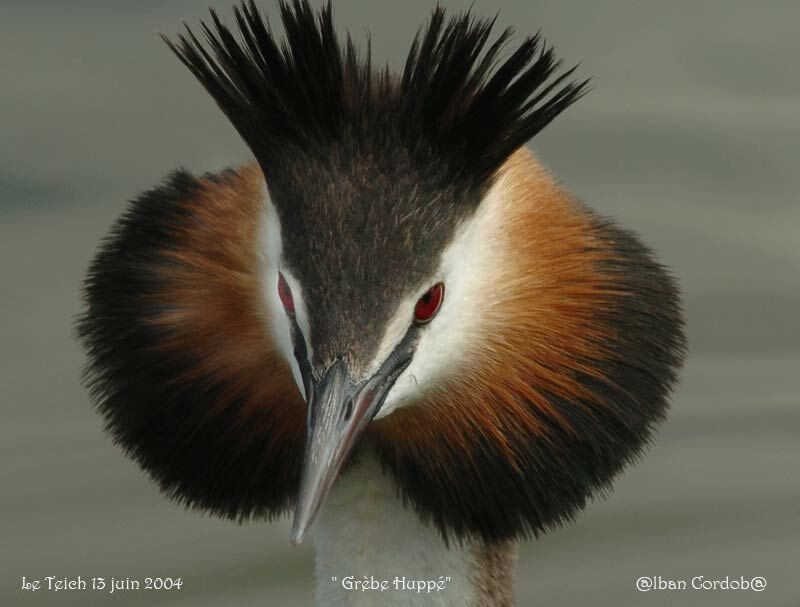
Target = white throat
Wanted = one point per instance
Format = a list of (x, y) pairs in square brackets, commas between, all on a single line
[(365, 536)]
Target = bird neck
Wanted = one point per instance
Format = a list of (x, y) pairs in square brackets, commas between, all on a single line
[(371, 549)]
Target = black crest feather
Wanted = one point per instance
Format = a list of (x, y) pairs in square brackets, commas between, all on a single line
[(458, 104)]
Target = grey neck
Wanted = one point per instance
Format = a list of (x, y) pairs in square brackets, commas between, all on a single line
[(372, 551)]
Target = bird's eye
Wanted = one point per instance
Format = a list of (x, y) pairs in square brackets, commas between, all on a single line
[(285, 294), (428, 305)]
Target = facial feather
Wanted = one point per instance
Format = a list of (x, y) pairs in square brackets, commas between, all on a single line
[(572, 353)]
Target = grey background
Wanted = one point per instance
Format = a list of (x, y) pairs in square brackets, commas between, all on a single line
[(690, 137)]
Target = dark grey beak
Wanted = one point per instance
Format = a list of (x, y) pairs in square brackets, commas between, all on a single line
[(338, 412)]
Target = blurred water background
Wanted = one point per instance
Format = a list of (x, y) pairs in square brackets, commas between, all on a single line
[(691, 137)]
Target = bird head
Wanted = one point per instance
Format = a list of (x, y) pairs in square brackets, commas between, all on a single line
[(398, 274)]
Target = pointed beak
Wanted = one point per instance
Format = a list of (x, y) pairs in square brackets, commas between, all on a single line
[(338, 413)]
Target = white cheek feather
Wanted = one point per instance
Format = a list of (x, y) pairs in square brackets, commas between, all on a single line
[(467, 270), (271, 250)]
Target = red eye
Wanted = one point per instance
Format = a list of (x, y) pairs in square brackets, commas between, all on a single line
[(285, 294), (429, 304)]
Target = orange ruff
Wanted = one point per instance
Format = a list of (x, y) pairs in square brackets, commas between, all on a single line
[(539, 332), (211, 308)]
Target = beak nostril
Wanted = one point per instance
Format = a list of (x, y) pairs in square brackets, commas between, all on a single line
[(348, 409)]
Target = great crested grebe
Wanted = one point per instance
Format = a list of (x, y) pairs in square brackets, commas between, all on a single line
[(397, 312)]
